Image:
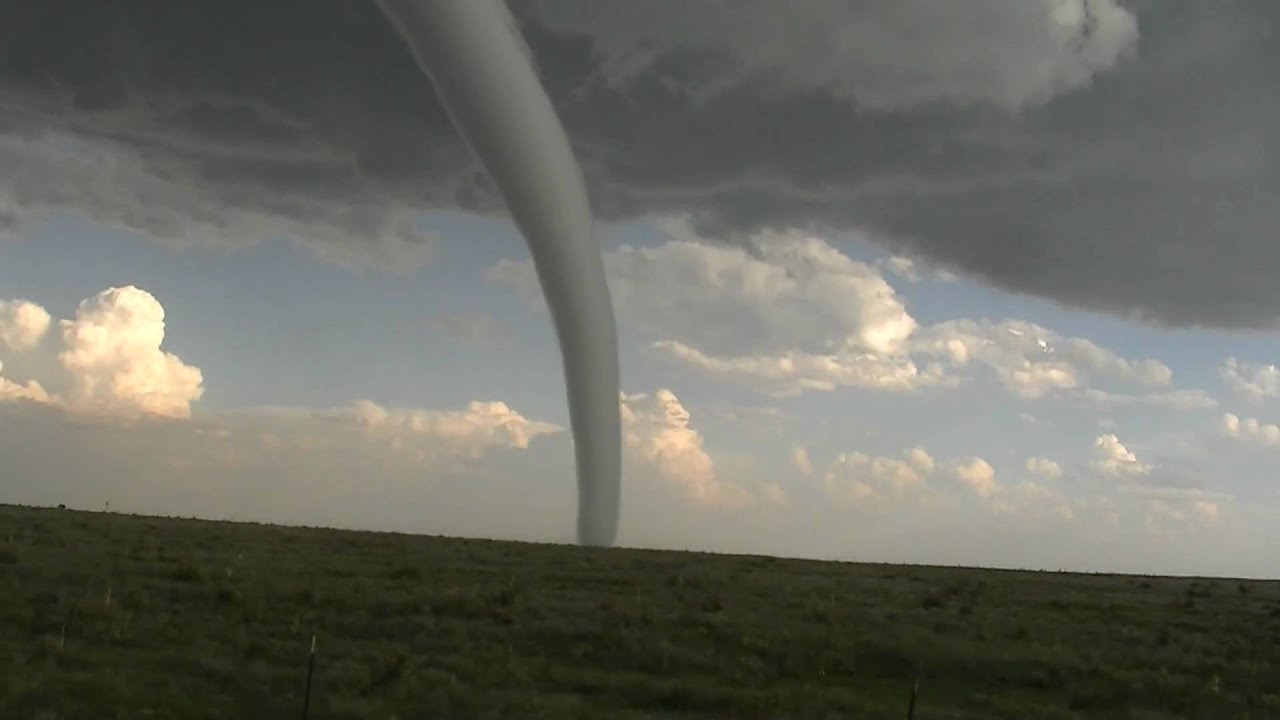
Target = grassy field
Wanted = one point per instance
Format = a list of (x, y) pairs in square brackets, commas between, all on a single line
[(108, 615)]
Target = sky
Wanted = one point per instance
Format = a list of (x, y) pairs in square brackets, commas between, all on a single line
[(874, 303)]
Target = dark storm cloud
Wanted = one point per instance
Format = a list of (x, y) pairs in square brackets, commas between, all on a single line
[(1116, 158)]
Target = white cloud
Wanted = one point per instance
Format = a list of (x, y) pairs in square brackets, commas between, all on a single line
[(793, 291), (1102, 506), (1044, 467), (774, 493), (481, 426), (657, 429), (858, 477), (1097, 359), (1250, 429), (786, 313), (1115, 460), (301, 465), (1165, 515), (848, 485), (903, 267), (22, 324), (1193, 399), (393, 439), (113, 356), (1032, 500), (1033, 361), (921, 460), (800, 460), (31, 391), (912, 270), (977, 474), (1180, 495), (799, 293), (793, 373), (1249, 381), (1206, 510), (794, 314)]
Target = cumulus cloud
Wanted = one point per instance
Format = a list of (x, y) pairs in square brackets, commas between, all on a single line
[(1250, 381), (1250, 429), (1032, 500), (1165, 515), (110, 359), (482, 425), (861, 479), (322, 467), (1044, 467), (1113, 459), (112, 354), (792, 314), (774, 493), (903, 267), (858, 476), (977, 474), (657, 429), (1205, 510), (391, 440), (800, 460), (921, 460), (797, 291), (22, 324), (294, 465), (1033, 361), (912, 270), (30, 391)]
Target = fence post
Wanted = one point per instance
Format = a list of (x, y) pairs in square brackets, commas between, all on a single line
[(311, 668)]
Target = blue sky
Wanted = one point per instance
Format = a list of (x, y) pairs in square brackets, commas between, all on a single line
[(287, 342)]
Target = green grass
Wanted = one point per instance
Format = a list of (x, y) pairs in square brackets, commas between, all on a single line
[(108, 615)]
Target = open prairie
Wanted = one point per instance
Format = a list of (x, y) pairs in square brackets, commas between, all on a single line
[(108, 615)]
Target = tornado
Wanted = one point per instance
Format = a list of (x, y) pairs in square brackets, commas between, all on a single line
[(483, 73)]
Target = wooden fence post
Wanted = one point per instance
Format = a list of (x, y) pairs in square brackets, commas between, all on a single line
[(311, 668)]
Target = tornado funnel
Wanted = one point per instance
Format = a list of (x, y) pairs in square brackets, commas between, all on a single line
[(483, 73)]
